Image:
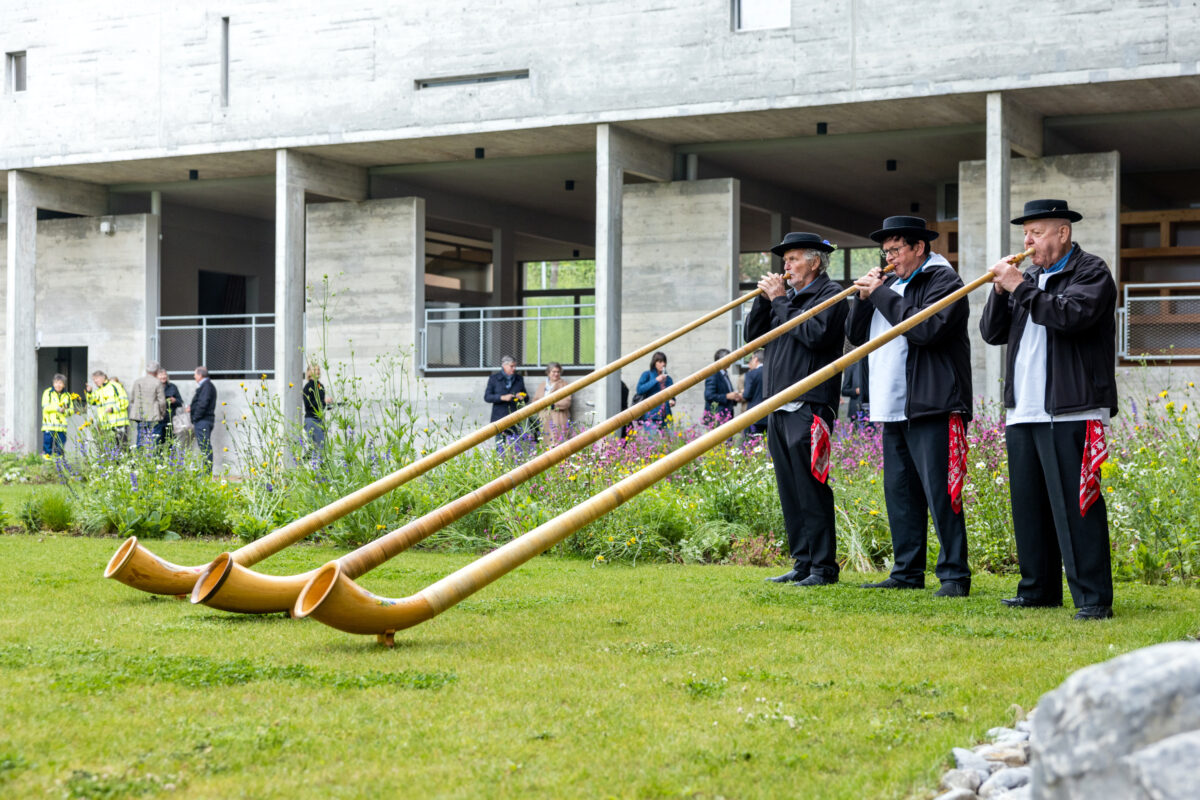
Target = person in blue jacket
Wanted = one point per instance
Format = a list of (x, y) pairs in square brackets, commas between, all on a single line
[(654, 380), (506, 392), (752, 393), (719, 395)]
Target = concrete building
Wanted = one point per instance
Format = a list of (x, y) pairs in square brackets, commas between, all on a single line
[(176, 174)]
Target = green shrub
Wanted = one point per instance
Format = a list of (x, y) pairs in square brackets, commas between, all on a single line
[(55, 509)]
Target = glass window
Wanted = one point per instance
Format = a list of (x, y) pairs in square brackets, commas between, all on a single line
[(559, 298), (756, 15), (15, 69)]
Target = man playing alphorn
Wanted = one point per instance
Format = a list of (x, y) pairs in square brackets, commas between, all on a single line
[(1059, 390), (798, 433), (920, 389)]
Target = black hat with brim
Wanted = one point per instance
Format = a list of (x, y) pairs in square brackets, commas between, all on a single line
[(1047, 209), (904, 226), (802, 241)]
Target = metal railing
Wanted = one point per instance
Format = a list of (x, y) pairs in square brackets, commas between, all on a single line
[(1159, 322), (474, 339), (230, 345)]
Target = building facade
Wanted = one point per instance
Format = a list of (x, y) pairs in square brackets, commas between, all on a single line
[(246, 184)]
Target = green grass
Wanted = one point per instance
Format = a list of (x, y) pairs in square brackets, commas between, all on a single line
[(560, 680), (11, 497)]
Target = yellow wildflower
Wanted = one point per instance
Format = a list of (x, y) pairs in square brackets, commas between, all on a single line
[(1163, 393)]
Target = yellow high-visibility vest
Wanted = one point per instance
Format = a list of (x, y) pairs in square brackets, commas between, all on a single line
[(113, 403), (56, 408)]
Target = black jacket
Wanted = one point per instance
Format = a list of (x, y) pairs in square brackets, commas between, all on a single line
[(314, 400), (204, 402), (753, 393), (804, 349), (171, 392), (938, 369), (1077, 307), (715, 388), (495, 390)]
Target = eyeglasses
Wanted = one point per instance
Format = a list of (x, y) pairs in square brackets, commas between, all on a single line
[(893, 251)]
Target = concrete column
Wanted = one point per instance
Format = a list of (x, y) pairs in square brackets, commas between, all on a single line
[(1009, 127), (296, 174), (27, 192), (777, 233), (153, 283), (617, 152)]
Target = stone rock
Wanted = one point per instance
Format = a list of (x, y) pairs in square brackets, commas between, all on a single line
[(958, 794), (968, 779), (998, 733), (1013, 754), (1085, 729), (1004, 780), (969, 759), (1020, 793), (1168, 769)]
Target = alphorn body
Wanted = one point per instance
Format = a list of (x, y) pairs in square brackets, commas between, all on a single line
[(332, 597), (231, 586), (134, 565)]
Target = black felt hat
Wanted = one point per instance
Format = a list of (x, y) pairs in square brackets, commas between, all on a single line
[(802, 241), (904, 226), (1047, 209)]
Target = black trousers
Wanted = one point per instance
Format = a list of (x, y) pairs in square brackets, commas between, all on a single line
[(1043, 471), (916, 458), (807, 503)]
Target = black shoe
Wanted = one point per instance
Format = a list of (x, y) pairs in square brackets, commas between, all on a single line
[(951, 589), (786, 577), (1025, 602), (816, 580), (1094, 612), (890, 583)]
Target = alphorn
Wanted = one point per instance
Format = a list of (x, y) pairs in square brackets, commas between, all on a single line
[(134, 565), (332, 597), (231, 586)]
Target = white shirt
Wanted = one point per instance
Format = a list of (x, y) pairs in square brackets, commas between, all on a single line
[(888, 381), (1029, 379)]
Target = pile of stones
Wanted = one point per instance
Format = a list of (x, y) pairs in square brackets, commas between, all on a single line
[(1128, 728)]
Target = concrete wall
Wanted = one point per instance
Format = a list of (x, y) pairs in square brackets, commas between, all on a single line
[(373, 254), (195, 239), (5, 436), (680, 261), (143, 76), (92, 290), (1089, 182)]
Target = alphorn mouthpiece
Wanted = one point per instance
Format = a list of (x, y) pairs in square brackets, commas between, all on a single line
[(1019, 257)]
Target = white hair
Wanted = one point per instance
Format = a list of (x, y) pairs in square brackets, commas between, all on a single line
[(822, 258)]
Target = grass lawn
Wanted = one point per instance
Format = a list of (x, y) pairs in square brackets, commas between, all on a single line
[(11, 497), (560, 680)]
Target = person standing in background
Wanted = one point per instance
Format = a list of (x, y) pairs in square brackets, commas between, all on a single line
[(57, 406), (505, 390), (752, 391), (113, 407), (651, 382), (315, 402), (556, 420), (174, 403), (147, 405), (203, 409), (719, 395)]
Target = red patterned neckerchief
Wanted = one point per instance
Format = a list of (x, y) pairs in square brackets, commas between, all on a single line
[(1095, 452), (819, 444), (956, 470)]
